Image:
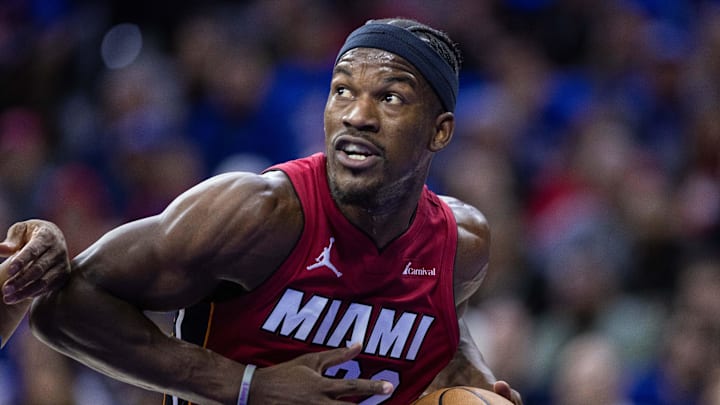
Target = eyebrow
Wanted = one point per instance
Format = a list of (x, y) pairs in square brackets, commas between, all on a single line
[(406, 77), (339, 69), (411, 81)]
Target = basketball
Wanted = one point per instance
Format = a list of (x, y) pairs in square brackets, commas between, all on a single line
[(462, 395)]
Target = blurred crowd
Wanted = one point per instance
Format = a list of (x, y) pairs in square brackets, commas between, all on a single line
[(588, 132)]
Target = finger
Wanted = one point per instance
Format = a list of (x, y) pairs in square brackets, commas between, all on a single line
[(7, 248), (46, 245), (516, 398), (28, 291), (13, 240), (30, 273), (320, 361), (16, 290), (46, 267), (502, 388), (359, 387), (334, 357), (31, 254)]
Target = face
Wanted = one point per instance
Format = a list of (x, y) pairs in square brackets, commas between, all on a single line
[(383, 123)]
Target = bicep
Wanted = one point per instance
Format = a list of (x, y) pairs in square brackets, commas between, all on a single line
[(132, 263), (221, 229), (155, 263)]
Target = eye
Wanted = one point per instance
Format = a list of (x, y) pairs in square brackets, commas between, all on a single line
[(392, 98), (342, 92)]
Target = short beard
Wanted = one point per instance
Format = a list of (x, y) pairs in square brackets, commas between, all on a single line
[(378, 198), (375, 198), (365, 198)]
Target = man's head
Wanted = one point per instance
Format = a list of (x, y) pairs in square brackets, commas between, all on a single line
[(429, 50), (390, 106)]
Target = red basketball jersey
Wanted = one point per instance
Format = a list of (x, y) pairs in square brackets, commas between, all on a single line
[(337, 288)]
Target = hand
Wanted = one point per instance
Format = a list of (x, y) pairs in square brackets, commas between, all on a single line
[(503, 388), (38, 260), (300, 381)]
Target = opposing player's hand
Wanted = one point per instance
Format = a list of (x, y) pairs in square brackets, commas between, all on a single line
[(300, 381), (37, 261), (503, 388)]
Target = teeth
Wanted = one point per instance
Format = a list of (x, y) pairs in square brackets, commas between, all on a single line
[(356, 149), (357, 157)]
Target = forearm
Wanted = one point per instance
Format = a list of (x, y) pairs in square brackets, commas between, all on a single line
[(467, 367), (460, 371), (10, 314), (10, 318), (115, 338)]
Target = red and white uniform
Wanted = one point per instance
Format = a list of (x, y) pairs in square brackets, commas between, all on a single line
[(337, 288)]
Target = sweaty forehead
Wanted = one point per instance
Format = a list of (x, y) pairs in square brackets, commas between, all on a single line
[(379, 57)]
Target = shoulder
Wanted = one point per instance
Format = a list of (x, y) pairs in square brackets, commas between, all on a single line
[(233, 193), (234, 218), (225, 187), (467, 217), (473, 228), (473, 250)]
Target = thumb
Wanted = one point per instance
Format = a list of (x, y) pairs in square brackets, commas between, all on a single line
[(12, 242), (502, 388), (7, 248)]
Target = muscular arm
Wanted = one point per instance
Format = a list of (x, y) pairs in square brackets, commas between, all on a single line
[(471, 263), (220, 230)]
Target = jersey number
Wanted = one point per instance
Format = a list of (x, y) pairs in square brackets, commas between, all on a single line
[(352, 371)]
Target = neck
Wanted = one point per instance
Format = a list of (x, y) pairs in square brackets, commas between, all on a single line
[(387, 218), (382, 228)]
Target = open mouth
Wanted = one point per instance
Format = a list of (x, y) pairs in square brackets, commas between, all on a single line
[(355, 152), (358, 147)]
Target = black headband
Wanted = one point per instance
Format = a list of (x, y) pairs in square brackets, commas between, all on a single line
[(438, 73)]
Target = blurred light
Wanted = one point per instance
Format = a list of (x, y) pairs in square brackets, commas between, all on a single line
[(121, 45)]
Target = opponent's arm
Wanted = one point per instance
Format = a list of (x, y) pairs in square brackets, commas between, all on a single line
[(10, 314), (21, 277), (161, 263)]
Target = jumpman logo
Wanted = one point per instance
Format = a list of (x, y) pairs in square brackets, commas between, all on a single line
[(324, 260)]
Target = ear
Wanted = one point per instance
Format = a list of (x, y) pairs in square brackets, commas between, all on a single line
[(444, 128)]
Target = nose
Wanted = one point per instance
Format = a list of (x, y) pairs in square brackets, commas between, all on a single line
[(362, 115)]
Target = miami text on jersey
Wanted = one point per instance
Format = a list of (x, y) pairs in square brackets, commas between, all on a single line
[(332, 323)]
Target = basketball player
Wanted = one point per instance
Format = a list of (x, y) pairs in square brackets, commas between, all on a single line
[(22, 277), (337, 278)]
